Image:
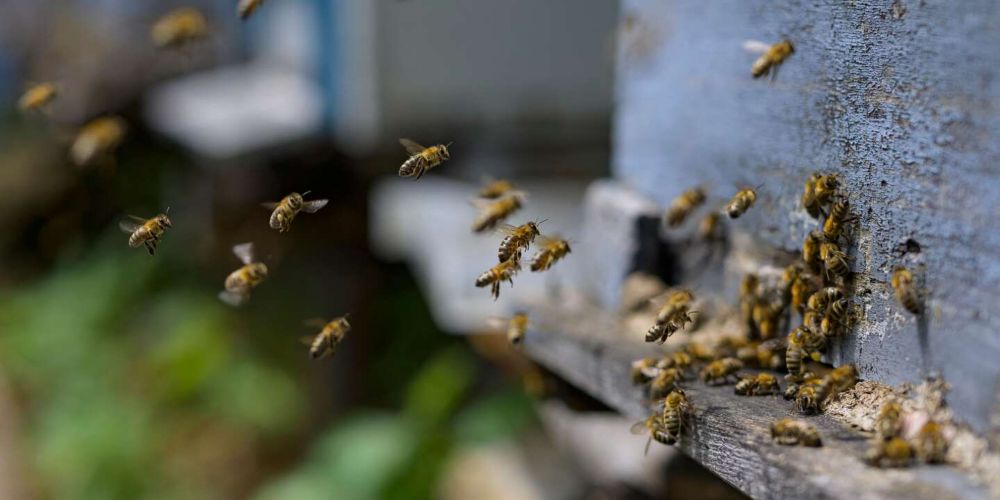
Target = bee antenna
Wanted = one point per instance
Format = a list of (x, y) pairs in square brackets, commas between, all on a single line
[(307, 192), (449, 144), (540, 222), (168, 210)]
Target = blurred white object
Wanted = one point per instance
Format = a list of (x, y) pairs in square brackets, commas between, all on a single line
[(236, 110)]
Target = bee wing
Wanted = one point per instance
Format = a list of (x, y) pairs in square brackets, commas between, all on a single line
[(306, 340), (756, 46), (233, 299), (314, 205), (411, 146), (497, 322), (129, 226), (544, 240), (315, 322), (270, 205), (638, 428), (506, 229), (244, 252)]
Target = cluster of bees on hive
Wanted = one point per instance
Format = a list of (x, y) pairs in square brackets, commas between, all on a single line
[(809, 299)]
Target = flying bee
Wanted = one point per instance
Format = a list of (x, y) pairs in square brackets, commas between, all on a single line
[(497, 274), (741, 202), (683, 205), (422, 159), (495, 189), (809, 200), (821, 299), (810, 250), (675, 410), (833, 226), (888, 423), (720, 371), (644, 370), (710, 229), (325, 342), (242, 281), (771, 59), (664, 382), (762, 384), (653, 425), (790, 432), (246, 7), (517, 327), (517, 238), (97, 140), (493, 212), (895, 452), (826, 187), (930, 444), (810, 397), (906, 290), (675, 304), (552, 249), (284, 211), (146, 231), (178, 28), (37, 97), (841, 379)]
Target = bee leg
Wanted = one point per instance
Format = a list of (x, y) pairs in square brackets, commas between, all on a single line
[(151, 246), (420, 172)]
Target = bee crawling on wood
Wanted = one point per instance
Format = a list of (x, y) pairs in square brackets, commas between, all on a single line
[(741, 202), (551, 250), (894, 452), (841, 379), (833, 226), (325, 342), (664, 382), (242, 281), (179, 27), (682, 206), (422, 159), (497, 274), (516, 239), (675, 411), (834, 261), (37, 97), (721, 371), (906, 290), (146, 232), (284, 211), (762, 384), (789, 432), (771, 58), (811, 396), (492, 212)]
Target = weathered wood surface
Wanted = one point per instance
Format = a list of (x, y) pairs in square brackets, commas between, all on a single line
[(898, 97), (730, 434)]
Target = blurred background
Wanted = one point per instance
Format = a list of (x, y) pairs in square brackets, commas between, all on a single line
[(123, 376)]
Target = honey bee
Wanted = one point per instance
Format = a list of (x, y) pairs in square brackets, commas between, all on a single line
[(700, 351), (770, 354), (497, 274), (930, 444), (422, 159), (37, 97), (680, 360), (97, 140), (791, 390), (676, 303), (771, 60), (811, 343), (660, 332), (284, 211), (683, 205), (242, 281), (675, 410), (895, 452), (179, 27), (790, 432), (664, 382), (495, 189), (325, 342), (906, 290), (493, 212), (821, 299), (644, 370), (766, 317), (763, 384), (826, 187), (517, 327), (552, 249), (720, 371), (653, 425), (146, 231), (517, 239), (888, 423), (800, 291), (741, 202), (809, 200), (834, 260), (833, 226), (811, 395), (710, 229), (810, 250), (841, 379), (247, 7)]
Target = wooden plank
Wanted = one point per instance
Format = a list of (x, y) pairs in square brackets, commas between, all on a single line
[(730, 434)]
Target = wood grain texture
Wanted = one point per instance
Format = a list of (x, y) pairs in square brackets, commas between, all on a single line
[(730, 434), (897, 97)]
